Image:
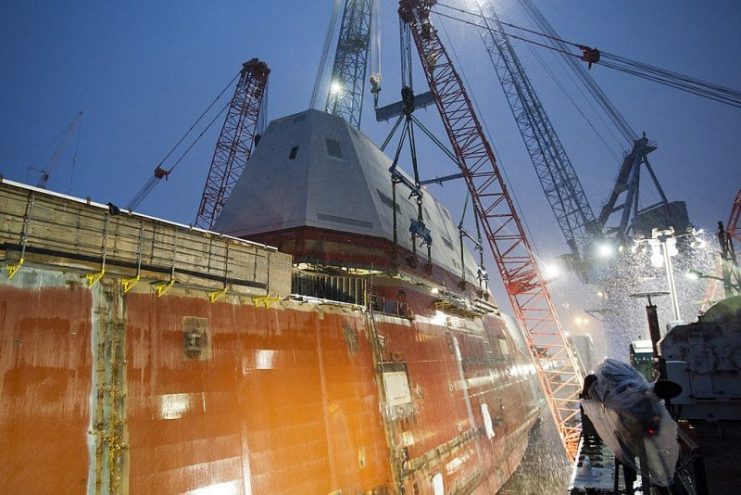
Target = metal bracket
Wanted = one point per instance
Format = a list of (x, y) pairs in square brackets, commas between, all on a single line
[(216, 295), (129, 283), (163, 287), (93, 278), (266, 301), (14, 267)]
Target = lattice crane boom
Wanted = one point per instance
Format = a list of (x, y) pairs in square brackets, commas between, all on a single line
[(554, 169), (347, 79), (733, 227), (236, 141), (557, 176), (623, 202), (557, 368)]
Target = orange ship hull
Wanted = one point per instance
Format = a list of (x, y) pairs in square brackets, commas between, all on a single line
[(287, 400)]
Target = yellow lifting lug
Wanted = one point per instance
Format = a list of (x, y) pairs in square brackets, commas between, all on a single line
[(216, 295), (14, 267), (93, 278), (163, 287), (129, 283), (266, 301)]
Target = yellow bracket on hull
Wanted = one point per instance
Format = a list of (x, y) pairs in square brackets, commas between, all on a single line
[(14, 267), (161, 288), (266, 301), (129, 283), (216, 295), (93, 278)]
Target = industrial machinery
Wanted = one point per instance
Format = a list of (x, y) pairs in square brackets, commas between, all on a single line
[(629, 417), (704, 357), (620, 216), (493, 207), (238, 137), (501, 225), (343, 93), (697, 366)]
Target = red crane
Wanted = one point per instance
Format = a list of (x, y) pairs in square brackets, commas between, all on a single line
[(557, 368), (732, 227), (236, 141)]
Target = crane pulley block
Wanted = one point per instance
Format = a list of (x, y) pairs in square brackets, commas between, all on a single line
[(589, 55), (160, 173)]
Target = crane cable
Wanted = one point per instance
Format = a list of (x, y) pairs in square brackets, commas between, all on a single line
[(74, 158), (160, 171), (705, 89), (599, 96), (579, 110)]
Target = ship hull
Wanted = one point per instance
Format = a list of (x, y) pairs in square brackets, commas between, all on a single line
[(281, 399)]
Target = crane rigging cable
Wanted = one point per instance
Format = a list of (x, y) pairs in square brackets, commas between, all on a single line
[(160, 171), (74, 158), (620, 123), (705, 89), (614, 154)]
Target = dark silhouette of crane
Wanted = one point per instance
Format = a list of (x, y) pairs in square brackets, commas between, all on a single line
[(67, 134)]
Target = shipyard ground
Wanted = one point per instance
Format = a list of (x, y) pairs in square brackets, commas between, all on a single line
[(544, 470)]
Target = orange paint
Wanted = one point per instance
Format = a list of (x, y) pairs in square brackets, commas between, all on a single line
[(280, 400)]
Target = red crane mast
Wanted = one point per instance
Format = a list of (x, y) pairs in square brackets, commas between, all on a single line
[(555, 362), (236, 141), (732, 227)]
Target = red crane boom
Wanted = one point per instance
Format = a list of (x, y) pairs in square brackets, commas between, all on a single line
[(555, 362), (732, 227), (235, 143)]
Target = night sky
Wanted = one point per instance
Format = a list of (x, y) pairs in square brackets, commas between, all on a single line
[(143, 71)]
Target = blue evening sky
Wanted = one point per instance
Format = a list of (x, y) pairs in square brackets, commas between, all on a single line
[(141, 72)]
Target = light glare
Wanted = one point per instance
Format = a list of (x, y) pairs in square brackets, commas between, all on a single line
[(605, 250), (551, 271), (335, 87)]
